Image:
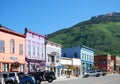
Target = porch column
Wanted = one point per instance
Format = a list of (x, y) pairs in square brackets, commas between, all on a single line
[(0, 66), (9, 67)]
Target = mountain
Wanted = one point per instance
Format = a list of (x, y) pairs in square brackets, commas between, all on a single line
[(101, 33)]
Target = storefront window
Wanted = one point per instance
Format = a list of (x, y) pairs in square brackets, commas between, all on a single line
[(21, 67), (5, 67)]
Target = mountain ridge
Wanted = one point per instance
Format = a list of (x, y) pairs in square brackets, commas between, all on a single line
[(100, 33)]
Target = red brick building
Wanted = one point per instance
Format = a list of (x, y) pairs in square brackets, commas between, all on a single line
[(105, 62)]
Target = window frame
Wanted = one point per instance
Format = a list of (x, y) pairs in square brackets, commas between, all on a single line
[(20, 49), (12, 46), (2, 46)]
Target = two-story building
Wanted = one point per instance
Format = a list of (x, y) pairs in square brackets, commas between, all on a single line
[(82, 58), (35, 51), (106, 63), (87, 58), (53, 55), (12, 50)]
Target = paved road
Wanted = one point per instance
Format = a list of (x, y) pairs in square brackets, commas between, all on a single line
[(109, 79)]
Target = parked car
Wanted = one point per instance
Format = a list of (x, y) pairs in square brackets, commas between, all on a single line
[(21, 74), (49, 76), (91, 73), (10, 77), (27, 80), (1, 79), (43, 76)]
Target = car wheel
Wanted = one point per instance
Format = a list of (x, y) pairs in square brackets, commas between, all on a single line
[(28, 82), (98, 75), (7, 83), (50, 80), (87, 76), (38, 81)]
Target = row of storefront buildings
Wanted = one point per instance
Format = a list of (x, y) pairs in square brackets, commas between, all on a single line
[(31, 52)]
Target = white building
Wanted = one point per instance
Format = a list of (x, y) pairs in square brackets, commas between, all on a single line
[(53, 55)]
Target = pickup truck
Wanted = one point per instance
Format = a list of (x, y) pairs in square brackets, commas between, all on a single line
[(43, 76)]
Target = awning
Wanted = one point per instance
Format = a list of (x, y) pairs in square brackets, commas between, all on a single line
[(59, 67)]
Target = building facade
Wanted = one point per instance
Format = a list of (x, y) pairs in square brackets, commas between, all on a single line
[(118, 64), (87, 59), (82, 56), (106, 63), (70, 67), (66, 70), (53, 55), (12, 50), (35, 51)]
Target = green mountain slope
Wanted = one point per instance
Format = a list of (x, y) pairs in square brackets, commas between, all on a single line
[(101, 33)]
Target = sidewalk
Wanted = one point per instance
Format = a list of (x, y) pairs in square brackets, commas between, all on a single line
[(61, 79), (71, 78)]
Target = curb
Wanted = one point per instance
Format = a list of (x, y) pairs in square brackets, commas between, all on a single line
[(62, 79)]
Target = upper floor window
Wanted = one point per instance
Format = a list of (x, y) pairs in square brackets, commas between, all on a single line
[(52, 59), (29, 48), (2, 46), (100, 61), (49, 58), (38, 49), (75, 55), (42, 50), (21, 49), (12, 46), (82, 55), (57, 59), (85, 56), (104, 61), (33, 49), (64, 55)]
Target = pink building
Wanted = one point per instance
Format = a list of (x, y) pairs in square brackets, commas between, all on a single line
[(35, 51), (12, 50)]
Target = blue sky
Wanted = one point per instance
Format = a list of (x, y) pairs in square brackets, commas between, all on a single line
[(48, 16)]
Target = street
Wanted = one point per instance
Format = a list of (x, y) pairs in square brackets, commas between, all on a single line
[(108, 79)]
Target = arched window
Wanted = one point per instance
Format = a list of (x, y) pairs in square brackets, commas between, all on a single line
[(12, 46)]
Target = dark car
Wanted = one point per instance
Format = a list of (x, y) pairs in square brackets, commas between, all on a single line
[(27, 80), (21, 74), (43, 76)]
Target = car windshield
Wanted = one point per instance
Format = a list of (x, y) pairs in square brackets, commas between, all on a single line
[(4, 75), (11, 74)]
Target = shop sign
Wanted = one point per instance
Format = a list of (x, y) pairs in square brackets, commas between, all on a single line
[(14, 58)]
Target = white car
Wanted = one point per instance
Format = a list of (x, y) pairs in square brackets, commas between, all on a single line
[(102, 73), (91, 73)]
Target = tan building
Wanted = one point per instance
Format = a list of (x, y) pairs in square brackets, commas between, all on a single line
[(12, 50)]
